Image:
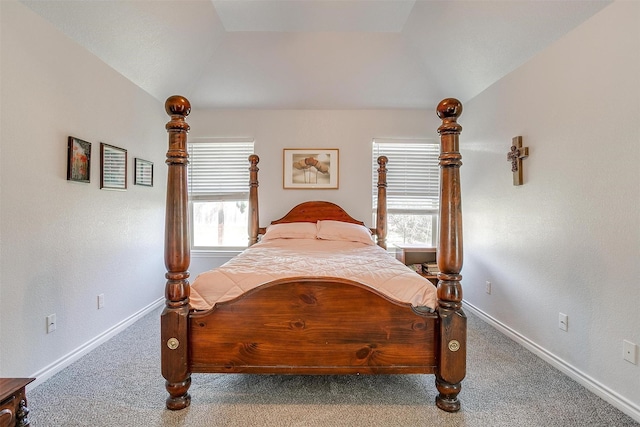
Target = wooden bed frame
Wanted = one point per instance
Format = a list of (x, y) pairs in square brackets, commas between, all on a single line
[(312, 325)]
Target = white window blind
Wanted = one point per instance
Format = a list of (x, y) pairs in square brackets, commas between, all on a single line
[(219, 169), (413, 177)]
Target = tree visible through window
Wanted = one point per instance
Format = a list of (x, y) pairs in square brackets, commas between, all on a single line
[(218, 183), (413, 187)]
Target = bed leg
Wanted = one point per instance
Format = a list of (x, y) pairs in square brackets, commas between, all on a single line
[(447, 400), (175, 367), (178, 398), (453, 355)]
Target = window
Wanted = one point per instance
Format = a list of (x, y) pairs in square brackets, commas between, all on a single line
[(413, 188), (218, 184)]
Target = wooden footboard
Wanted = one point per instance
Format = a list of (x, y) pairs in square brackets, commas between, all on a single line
[(313, 326)]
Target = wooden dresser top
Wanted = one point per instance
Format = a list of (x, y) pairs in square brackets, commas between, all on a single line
[(8, 386)]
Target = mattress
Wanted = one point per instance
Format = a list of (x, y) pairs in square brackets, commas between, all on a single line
[(280, 258)]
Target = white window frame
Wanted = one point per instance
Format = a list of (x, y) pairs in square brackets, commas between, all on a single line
[(413, 179), (209, 180)]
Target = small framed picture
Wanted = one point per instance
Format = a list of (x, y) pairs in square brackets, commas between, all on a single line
[(144, 173), (78, 160), (113, 167), (310, 168)]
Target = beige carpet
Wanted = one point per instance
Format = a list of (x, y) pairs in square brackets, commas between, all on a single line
[(119, 384)]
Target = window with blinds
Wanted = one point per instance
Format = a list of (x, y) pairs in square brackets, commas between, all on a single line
[(218, 185), (413, 188)]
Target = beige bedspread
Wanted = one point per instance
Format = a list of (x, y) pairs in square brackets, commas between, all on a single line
[(275, 259)]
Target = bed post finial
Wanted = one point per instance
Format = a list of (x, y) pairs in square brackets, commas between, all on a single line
[(177, 256), (254, 217), (381, 209), (449, 110), (177, 105), (453, 325)]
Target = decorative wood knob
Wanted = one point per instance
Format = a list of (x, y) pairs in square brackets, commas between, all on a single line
[(177, 105), (449, 108)]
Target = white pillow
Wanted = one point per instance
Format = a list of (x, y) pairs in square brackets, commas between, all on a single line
[(291, 230), (345, 231)]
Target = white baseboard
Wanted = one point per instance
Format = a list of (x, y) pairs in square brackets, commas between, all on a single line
[(572, 372), (52, 369)]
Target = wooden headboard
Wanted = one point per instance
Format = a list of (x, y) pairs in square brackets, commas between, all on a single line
[(318, 210)]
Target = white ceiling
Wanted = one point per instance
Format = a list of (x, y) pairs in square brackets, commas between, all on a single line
[(320, 54)]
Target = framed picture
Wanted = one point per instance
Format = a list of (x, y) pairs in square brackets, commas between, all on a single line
[(144, 173), (113, 167), (310, 168), (78, 160)]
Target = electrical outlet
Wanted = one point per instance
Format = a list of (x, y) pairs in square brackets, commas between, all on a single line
[(51, 323), (100, 301), (563, 322), (488, 287), (629, 351)]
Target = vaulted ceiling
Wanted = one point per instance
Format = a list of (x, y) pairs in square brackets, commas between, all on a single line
[(319, 54)]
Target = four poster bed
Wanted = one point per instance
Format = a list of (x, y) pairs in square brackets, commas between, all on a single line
[(311, 318)]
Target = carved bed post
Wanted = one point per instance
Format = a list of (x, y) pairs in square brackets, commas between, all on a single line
[(381, 214), (174, 319), (254, 217), (453, 322)]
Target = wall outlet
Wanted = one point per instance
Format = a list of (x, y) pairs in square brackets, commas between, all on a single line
[(563, 322), (100, 301), (629, 351), (51, 323), (487, 287)]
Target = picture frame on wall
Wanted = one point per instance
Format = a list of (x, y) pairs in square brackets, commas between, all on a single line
[(78, 160), (310, 168), (143, 172), (113, 167)]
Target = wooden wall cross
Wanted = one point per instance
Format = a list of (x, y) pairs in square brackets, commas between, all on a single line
[(515, 156)]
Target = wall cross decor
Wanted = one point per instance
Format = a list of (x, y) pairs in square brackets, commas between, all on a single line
[(515, 156)]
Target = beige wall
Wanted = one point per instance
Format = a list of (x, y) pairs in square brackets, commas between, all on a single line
[(64, 243), (350, 131), (568, 240)]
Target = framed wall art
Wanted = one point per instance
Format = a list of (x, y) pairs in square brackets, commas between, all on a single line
[(310, 168), (143, 173), (113, 167), (78, 160)]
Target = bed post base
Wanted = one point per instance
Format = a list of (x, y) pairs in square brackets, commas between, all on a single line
[(453, 354), (178, 398), (447, 400), (175, 368)]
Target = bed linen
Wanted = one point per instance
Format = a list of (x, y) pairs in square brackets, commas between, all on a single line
[(279, 258)]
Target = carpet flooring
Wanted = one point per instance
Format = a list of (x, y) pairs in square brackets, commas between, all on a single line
[(119, 384)]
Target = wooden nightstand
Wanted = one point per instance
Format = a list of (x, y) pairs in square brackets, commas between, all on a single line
[(13, 402), (417, 254)]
